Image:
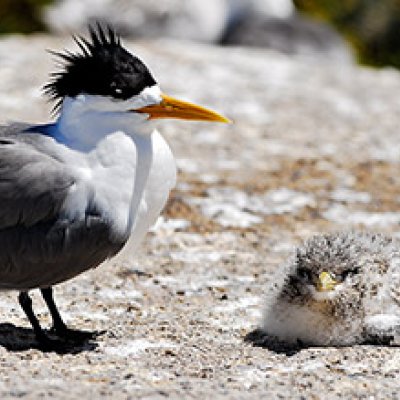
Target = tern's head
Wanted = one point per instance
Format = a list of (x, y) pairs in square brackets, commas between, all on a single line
[(105, 77)]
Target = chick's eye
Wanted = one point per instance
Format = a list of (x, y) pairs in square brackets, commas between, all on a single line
[(304, 273)]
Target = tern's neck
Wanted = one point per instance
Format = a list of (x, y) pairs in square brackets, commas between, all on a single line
[(82, 128)]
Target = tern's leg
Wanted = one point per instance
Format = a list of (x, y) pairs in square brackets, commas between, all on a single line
[(26, 304), (59, 326)]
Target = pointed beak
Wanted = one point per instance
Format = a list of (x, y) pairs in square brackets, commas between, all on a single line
[(325, 282), (173, 108)]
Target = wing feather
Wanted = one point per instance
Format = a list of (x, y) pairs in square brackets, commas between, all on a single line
[(33, 184)]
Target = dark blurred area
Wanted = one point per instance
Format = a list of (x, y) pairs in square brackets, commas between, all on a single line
[(372, 27), (311, 27), (23, 16)]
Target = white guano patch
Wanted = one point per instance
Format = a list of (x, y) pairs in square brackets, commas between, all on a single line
[(343, 215), (235, 208), (134, 347)]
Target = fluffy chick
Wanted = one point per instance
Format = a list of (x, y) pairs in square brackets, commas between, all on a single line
[(337, 289)]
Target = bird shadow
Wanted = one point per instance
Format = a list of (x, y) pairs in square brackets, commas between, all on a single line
[(18, 339), (259, 338)]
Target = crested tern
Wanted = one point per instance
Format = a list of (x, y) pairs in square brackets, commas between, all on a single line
[(74, 192)]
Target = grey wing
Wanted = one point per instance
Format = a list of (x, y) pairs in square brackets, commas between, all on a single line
[(33, 185), (38, 246)]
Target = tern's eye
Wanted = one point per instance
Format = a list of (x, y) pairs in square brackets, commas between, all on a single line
[(116, 90)]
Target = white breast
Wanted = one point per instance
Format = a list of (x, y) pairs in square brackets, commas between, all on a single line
[(161, 179)]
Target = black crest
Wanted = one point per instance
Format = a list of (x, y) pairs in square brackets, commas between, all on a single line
[(103, 67)]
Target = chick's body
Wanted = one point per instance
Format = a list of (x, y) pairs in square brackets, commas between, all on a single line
[(337, 289)]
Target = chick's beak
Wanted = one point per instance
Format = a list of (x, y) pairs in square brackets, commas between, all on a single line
[(325, 282), (178, 109)]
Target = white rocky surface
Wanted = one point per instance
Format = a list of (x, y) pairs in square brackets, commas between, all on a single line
[(259, 23), (314, 148)]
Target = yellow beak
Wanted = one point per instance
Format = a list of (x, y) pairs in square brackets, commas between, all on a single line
[(326, 282), (173, 108)]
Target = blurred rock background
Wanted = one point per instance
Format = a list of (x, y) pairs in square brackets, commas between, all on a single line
[(260, 23), (307, 27)]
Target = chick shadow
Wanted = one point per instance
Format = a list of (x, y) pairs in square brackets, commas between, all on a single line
[(259, 338), (18, 339)]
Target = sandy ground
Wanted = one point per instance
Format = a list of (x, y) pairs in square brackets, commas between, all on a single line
[(314, 148)]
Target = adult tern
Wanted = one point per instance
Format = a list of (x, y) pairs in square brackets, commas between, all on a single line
[(74, 192)]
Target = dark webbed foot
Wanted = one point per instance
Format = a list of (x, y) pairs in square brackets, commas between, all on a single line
[(73, 335), (60, 338), (59, 327), (45, 342), (48, 344)]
